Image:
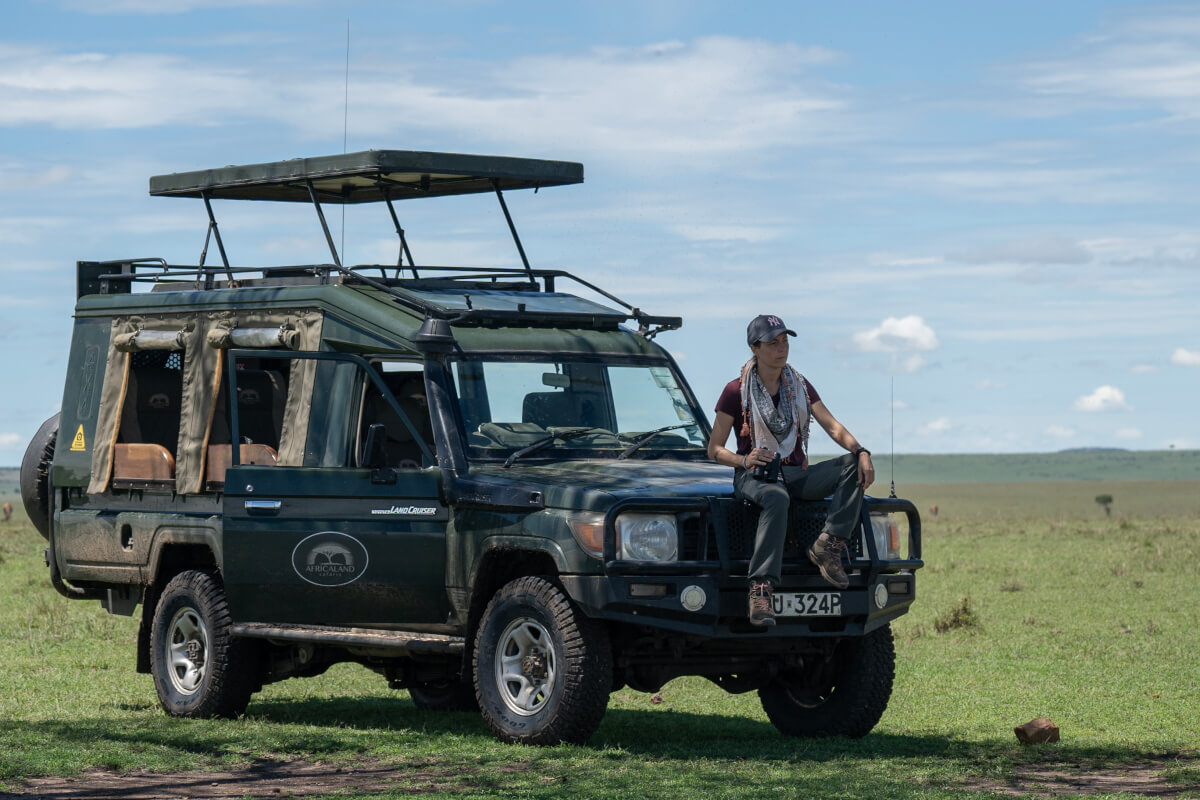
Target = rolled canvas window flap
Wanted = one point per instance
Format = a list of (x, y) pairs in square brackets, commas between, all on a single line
[(149, 340), (283, 336)]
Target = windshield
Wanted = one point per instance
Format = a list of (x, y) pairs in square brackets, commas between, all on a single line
[(586, 409)]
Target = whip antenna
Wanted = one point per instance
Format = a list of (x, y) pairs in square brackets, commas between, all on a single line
[(345, 127), (892, 404)]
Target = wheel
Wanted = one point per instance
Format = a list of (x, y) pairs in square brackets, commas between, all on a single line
[(842, 697), (448, 695), (35, 475), (199, 669), (543, 670)]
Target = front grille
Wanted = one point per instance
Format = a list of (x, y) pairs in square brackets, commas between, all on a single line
[(805, 521)]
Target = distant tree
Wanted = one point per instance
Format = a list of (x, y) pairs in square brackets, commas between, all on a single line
[(1105, 500)]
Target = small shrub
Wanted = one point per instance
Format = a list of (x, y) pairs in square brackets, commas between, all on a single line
[(961, 616)]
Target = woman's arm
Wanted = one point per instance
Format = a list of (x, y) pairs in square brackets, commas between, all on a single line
[(722, 425), (837, 431)]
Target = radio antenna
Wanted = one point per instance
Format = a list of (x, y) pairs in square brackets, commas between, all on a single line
[(345, 128), (892, 405)]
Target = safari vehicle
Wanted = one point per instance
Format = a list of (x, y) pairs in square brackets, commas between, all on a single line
[(489, 490)]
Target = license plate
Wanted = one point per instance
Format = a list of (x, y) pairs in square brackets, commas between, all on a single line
[(807, 604)]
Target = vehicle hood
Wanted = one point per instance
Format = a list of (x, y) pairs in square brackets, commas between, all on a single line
[(596, 485)]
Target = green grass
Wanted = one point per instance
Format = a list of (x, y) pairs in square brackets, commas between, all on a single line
[(1071, 465), (1088, 620)]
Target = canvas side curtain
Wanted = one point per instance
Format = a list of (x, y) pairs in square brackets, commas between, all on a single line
[(203, 339)]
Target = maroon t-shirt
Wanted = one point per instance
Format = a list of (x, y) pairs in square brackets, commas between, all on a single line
[(730, 402)]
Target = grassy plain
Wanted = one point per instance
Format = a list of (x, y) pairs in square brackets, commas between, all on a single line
[(1088, 620)]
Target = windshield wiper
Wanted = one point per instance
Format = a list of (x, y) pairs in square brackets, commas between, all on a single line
[(646, 437), (540, 443)]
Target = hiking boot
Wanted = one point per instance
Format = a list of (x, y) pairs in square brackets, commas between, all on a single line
[(827, 553), (762, 612)]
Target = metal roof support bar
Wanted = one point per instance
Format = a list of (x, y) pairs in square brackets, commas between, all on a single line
[(215, 231), (404, 251), (511, 227), (312, 193)]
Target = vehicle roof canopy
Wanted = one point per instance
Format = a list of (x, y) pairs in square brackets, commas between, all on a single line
[(368, 176)]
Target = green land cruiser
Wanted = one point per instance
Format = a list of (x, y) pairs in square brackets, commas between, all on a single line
[(489, 490)]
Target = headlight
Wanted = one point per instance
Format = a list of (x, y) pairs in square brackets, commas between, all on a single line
[(887, 536), (647, 537)]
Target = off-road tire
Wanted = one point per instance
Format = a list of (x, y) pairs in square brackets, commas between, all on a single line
[(35, 475), (219, 674), (448, 695), (843, 698), (569, 655)]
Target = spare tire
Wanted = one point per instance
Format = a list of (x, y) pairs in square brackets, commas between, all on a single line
[(35, 475)]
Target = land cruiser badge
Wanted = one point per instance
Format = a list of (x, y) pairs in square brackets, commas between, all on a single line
[(330, 558)]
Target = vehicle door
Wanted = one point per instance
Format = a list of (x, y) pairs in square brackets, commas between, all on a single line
[(327, 540)]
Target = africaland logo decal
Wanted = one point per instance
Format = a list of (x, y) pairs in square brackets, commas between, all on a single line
[(330, 558)]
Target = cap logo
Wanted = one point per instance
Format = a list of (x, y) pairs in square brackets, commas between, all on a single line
[(774, 321)]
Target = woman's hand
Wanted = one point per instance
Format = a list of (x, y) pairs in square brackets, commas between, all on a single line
[(866, 470), (759, 455)]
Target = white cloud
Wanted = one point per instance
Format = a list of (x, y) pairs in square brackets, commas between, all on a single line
[(8, 440), (712, 96), (1104, 398), (899, 404), (1050, 248), (1143, 369), (727, 233), (1151, 60), (987, 384), (1129, 433), (162, 6), (1185, 358), (897, 335), (1060, 432), (939, 425)]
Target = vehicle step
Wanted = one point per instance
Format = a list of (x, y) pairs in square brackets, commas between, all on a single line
[(398, 641)]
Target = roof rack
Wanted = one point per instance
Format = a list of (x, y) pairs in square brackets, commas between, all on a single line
[(462, 296), (458, 296)]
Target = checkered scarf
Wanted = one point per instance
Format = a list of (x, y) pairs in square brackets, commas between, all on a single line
[(775, 428)]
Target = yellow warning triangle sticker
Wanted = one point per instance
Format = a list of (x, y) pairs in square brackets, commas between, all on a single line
[(78, 444)]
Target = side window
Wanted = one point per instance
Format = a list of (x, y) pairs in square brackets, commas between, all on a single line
[(406, 381), (262, 387), (149, 428)]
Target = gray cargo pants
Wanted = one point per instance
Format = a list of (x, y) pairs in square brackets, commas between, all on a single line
[(838, 476)]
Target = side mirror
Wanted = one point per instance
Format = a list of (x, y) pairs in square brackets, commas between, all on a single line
[(375, 451)]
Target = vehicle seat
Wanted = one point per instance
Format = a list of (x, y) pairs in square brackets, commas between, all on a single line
[(220, 458), (141, 464), (150, 414), (262, 397), (560, 410), (402, 450)]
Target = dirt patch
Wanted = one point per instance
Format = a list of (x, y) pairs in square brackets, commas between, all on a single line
[(265, 779), (1141, 778)]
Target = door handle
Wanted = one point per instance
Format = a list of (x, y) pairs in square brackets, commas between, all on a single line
[(263, 507)]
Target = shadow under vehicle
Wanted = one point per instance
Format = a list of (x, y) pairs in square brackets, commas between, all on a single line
[(490, 490)]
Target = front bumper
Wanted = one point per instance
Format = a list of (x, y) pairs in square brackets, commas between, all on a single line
[(714, 545), (724, 611)]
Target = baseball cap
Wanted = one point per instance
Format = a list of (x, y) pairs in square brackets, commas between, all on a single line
[(764, 328)]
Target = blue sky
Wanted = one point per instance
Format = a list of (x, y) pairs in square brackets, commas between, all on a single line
[(992, 205)]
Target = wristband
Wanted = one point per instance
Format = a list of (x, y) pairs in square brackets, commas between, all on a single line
[(858, 451), (744, 461)]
